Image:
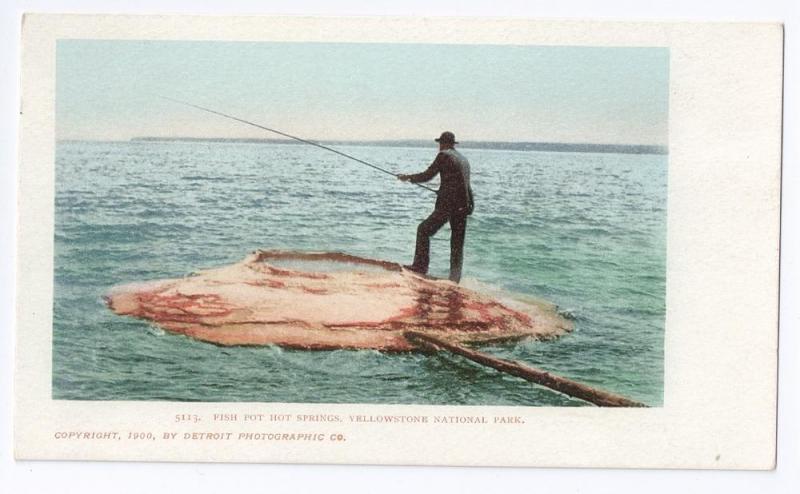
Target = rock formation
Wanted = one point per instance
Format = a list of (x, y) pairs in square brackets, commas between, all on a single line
[(361, 303)]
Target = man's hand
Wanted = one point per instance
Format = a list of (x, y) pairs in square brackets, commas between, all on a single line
[(403, 178)]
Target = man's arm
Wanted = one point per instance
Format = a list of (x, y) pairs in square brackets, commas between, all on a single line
[(428, 174)]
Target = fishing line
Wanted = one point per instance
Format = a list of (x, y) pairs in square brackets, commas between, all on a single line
[(284, 134)]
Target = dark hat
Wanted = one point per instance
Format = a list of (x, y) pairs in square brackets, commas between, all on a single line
[(447, 137)]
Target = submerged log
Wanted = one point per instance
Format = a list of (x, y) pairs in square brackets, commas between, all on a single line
[(341, 301), (561, 384)]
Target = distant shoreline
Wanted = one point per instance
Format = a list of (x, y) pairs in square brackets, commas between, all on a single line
[(417, 143)]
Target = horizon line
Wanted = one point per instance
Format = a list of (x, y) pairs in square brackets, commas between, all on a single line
[(471, 144)]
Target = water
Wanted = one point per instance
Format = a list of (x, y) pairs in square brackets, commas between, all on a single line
[(585, 231)]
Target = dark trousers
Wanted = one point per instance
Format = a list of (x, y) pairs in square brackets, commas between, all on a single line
[(428, 228)]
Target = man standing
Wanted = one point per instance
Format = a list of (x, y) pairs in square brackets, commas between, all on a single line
[(453, 204)]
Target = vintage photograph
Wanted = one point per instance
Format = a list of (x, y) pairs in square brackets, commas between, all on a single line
[(360, 222), (398, 241)]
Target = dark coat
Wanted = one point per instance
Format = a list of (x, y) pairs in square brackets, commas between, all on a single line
[(455, 192)]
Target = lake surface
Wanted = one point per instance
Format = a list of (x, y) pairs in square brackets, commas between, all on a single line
[(586, 231)]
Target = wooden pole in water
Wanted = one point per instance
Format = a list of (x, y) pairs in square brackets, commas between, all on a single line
[(561, 384)]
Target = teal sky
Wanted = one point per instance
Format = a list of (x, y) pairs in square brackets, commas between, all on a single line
[(105, 90)]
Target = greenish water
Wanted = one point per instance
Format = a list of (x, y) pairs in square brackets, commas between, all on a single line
[(586, 231)]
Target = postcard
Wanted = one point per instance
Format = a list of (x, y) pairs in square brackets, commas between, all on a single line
[(398, 241)]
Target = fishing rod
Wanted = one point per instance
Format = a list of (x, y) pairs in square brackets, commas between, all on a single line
[(284, 134)]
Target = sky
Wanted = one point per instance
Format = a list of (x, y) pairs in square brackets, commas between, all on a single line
[(108, 90)]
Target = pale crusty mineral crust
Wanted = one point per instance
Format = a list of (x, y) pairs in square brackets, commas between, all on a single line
[(256, 303)]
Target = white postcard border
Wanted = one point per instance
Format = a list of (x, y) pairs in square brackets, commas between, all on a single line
[(722, 268)]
